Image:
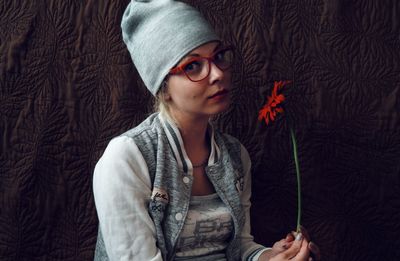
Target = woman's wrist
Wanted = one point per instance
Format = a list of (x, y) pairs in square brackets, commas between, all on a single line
[(267, 254)]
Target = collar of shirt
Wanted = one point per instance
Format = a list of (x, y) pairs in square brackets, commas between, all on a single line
[(178, 148)]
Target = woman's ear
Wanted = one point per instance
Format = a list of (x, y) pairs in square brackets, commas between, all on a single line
[(167, 96)]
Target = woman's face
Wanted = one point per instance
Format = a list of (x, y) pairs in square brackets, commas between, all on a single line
[(203, 98)]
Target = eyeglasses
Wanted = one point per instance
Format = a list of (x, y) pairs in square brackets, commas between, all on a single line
[(198, 68)]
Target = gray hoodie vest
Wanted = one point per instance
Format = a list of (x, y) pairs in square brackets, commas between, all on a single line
[(171, 196)]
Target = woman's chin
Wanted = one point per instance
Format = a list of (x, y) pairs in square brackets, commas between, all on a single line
[(221, 107)]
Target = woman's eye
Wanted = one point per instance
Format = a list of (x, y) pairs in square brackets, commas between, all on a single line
[(191, 66), (219, 56)]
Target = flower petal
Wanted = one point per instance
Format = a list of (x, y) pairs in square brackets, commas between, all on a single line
[(270, 109)]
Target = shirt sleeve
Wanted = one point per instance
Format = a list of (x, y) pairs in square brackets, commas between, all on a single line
[(251, 251), (122, 190)]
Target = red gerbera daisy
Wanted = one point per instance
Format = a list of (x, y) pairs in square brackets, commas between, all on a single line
[(271, 108)]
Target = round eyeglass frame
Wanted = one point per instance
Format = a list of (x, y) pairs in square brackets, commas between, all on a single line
[(210, 59)]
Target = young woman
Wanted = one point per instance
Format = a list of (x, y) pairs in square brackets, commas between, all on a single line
[(174, 188)]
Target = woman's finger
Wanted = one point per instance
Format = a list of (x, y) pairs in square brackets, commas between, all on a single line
[(305, 233), (281, 245), (304, 253), (313, 248), (293, 249), (289, 237)]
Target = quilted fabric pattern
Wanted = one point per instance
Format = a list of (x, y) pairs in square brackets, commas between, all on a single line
[(67, 86)]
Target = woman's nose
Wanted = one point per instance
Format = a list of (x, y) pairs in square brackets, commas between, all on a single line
[(216, 74)]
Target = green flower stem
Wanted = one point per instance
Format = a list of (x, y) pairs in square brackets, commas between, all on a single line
[(296, 160)]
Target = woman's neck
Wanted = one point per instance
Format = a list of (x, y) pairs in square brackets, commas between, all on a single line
[(197, 144), (193, 130)]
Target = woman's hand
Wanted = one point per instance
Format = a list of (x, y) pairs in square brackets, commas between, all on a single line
[(288, 249), (277, 248), (297, 251), (283, 249), (282, 245), (314, 249)]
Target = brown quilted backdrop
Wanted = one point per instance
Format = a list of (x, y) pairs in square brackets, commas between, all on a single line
[(67, 86)]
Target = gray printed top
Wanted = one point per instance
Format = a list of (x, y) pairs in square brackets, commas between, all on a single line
[(207, 229)]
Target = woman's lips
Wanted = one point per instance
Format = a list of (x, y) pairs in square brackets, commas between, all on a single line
[(219, 94)]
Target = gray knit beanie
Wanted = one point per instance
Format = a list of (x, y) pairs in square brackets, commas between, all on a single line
[(159, 33)]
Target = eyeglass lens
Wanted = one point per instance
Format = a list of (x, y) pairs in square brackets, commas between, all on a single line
[(199, 69)]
